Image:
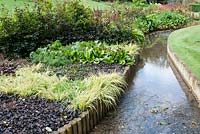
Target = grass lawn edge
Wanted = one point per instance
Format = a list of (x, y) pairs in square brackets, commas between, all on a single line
[(185, 72), (185, 43)]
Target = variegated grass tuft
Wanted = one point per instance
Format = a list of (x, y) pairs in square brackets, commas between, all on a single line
[(104, 88), (29, 81)]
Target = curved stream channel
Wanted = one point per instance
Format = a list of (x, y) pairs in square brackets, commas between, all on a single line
[(158, 102)]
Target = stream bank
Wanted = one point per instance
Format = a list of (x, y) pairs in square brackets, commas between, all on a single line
[(158, 100)]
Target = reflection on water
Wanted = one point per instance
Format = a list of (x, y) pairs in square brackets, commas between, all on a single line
[(156, 103), (156, 51)]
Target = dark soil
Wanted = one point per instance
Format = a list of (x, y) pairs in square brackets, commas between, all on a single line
[(81, 71), (8, 67), (32, 115), (36, 115)]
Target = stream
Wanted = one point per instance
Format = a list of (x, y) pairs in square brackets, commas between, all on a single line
[(158, 102)]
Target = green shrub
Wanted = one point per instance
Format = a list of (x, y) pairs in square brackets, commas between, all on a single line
[(85, 52), (31, 27), (195, 7), (170, 19), (116, 26), (160, 21), (116, 32)]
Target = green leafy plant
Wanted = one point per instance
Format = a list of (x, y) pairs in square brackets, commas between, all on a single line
[(195, 7), (85, 52), (160, 21)]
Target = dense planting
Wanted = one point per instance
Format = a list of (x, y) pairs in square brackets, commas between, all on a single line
[(160, 21), (101, 87), (195, 7), (40, 83), (78, 50), (85, 52), (28, 28), (104, 87)]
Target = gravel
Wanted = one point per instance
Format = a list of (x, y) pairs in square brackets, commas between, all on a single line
[(33, 115)]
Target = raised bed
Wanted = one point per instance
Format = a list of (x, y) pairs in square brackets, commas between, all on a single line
[(33, 111), (90, 118)]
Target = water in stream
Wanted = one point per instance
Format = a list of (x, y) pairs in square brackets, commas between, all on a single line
[(158, 102)]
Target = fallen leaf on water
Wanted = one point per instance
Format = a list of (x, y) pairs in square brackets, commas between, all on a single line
[(165, 109), (162, 123), (193, 123)]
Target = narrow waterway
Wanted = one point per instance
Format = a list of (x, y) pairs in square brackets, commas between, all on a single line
[(158, 102)]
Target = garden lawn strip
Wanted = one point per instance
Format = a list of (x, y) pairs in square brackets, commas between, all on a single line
[(32, 115), (186, 44)]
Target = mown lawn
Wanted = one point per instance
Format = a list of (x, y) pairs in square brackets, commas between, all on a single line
[(186, 43), (11, 4), (96, 5)]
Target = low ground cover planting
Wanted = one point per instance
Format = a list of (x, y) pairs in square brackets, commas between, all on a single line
[(59, 58), (54, 91), (185, 43)]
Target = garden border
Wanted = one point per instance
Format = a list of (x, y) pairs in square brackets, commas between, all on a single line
[(90, 118), (187, 75)]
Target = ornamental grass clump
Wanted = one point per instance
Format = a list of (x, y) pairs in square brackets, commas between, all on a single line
[(33, 80), (104, 88), (30, 81)]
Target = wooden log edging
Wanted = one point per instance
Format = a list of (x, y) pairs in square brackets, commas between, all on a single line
[(90, 118), (190, 79)]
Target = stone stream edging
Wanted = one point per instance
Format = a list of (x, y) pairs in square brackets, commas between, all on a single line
[(190, 79), (89, 119)]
